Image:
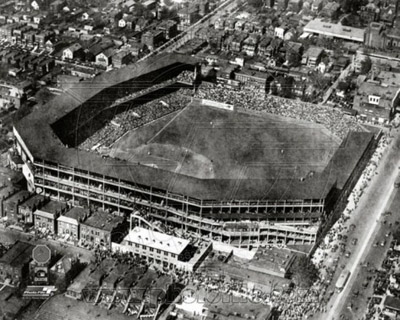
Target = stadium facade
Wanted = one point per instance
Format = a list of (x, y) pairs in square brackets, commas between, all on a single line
[(241, 213)]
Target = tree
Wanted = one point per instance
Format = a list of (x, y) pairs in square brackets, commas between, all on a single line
[(304, 273), (256, 3), (366, 65), (350, 6)]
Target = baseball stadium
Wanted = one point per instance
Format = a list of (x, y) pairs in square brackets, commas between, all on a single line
[(135, 140)]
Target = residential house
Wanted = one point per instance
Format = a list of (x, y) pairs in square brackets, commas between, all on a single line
[(250, 44), (169, 28), (11, 205), (376, 100), (14, 264), (45, 218), (152, 39), (317, 5), (28, 207), (263, 45), (369, 12), (331, 10), (121, 58), (101, 228), (69, 223), (295, 5), (104, 58), (237, 42), (312, 56), (280, 31), (188, 16), (74, 51)]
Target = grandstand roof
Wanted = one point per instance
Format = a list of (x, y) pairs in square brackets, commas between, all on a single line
[(278, 184)]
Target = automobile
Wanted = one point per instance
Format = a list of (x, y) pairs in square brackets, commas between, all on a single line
[(348, 254), (383, 242), (388, 234), (376, 244), (355, 292), (354, 241)]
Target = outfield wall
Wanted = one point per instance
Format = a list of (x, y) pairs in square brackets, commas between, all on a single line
[(216, 104)]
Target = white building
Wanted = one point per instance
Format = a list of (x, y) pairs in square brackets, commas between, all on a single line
[(155, 246), (163, 249)]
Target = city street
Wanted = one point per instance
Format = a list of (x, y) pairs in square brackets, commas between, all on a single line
[(373, 203)]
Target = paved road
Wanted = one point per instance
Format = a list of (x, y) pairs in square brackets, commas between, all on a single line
[(375, 200)]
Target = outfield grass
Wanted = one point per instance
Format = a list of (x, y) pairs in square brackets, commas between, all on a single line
[(211, 143)]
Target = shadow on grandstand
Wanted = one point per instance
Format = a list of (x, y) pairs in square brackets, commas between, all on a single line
[(93, 115)]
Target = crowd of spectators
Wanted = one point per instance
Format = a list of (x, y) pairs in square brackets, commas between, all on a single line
[(186, 77), (254, 99), (135, 116)]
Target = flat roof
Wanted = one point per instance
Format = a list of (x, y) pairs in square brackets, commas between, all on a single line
[(335, 30), (157, 240)]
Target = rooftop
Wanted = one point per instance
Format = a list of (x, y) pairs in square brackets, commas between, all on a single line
[(157, 240), (18, 255), (54, 207), (103, 220), (77, 213), (335, 30)]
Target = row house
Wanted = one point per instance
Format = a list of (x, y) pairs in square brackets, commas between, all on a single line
[(237, 42), (274, 47), (101, 228), (295, 5), (11, 95), (204, 7), (28, 207), (369, 12), (45, 218), (316, 5), (121, 58), (152, 39), (6, 31), (14, 264), (376, 101), (263, 45), (169, 28), (188, 16), (10, 205), (216, 39), (312, 56), (331, 10), (250, 44), (5, 193), (69, 223)]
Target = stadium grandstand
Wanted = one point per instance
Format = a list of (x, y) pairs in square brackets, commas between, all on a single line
[(204, 168)]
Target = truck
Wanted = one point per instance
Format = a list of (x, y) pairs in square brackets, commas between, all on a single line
[(341, 282)]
